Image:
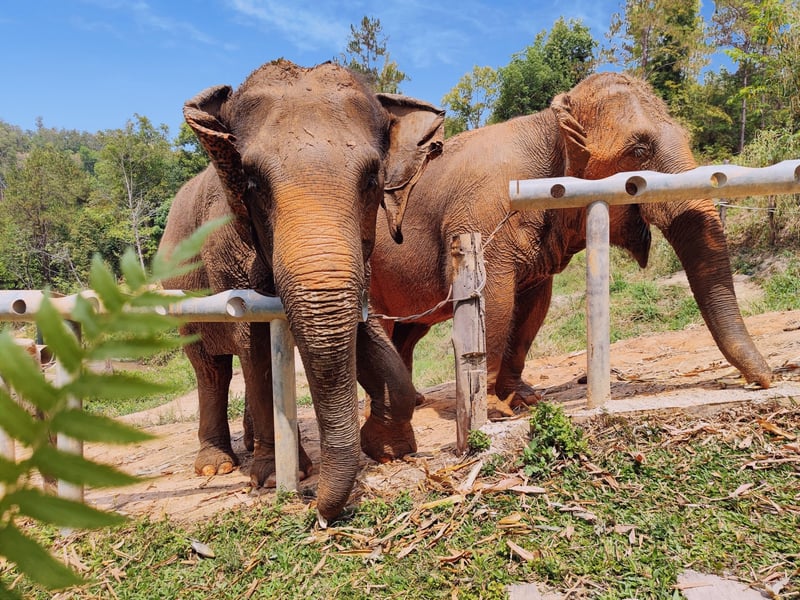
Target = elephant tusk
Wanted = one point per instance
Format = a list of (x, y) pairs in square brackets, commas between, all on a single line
[(322, 521)]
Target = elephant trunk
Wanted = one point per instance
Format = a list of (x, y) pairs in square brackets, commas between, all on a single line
[(695, 232), (321, 286)]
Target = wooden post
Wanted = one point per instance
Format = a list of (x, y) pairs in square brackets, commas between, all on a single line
[(287, 460), (469, 335), (598, 322)]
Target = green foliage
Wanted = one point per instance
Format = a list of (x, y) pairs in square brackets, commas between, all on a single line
[(135, 171), (56, 401), (366, 47), (478, 441), (35, 217), (553, 438), (471, 100), (661, 41), (782, 290), (554, 63)]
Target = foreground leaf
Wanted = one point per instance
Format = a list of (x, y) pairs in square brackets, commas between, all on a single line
[(117, 386), (177, 262), (78, 470), (59, 339), (21, 373), (89, 427), (137, 348), (61, 512), (35, 561), (132, 270), (103, 282), (16, 421)]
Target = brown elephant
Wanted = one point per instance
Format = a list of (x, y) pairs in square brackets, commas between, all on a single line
[(300, 159), (606, 124)]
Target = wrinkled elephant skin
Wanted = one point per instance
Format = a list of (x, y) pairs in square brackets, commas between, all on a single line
[(300, 158), (607, 124)]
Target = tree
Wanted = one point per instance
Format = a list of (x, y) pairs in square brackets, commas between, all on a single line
[(661, 41), (41, 202), (133, 171), (752, 32), (471, 100), (553, 64), (366, 49)]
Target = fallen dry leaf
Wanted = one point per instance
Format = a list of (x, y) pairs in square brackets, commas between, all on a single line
[(767, 426), (454, 499), (528, 489), (455, 557), (521, 552), (202, 549), (740, 491)]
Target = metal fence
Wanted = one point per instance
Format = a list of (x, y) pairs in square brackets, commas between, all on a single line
[(636, 187), (229, 306)]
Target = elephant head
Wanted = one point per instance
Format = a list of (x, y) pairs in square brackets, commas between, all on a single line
[(611, 123), (303, 156)]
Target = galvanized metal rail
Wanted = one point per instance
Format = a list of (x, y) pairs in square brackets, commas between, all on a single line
[(228, 306), (636, 187)]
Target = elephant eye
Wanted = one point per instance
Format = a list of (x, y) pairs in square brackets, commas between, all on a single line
[(252, 184), (641, 151), (371, 177)]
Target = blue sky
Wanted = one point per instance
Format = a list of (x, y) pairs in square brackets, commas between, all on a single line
[(91, 64)]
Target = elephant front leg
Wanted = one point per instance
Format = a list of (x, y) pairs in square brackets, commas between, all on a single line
[(216, 455), (259, 418), (530, 309), (387, 433)]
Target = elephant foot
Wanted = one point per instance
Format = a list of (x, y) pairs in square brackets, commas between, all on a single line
[(384, 442), (262, 470), (497, 409), (525, 395), (213, 460)]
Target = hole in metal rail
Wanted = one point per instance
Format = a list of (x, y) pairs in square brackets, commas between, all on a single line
[(797, 173), (635, 185), (557, 191), (718, 180), (235, 307), (19, 306)]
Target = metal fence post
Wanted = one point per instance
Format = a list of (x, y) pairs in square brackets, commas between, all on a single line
[(287, 461), (598, 320), (70, 491)]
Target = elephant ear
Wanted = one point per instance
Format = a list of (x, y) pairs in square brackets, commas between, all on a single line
[(573, 134), (415, 137), (203, 115)]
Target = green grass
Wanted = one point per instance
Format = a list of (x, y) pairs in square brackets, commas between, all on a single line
[(172, 369), (651, 497)]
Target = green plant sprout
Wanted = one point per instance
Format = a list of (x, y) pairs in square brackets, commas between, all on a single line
[(126, 327), (553, 437)]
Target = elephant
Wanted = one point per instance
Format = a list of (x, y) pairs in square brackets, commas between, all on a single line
[(607, 123), (299, 160)]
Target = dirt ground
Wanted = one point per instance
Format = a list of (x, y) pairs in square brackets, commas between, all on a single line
[(681, 370)]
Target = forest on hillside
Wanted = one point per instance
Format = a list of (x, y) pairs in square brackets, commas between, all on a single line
[(66, 195)]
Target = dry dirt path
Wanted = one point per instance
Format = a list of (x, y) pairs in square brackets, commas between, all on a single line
[(681, 370)]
